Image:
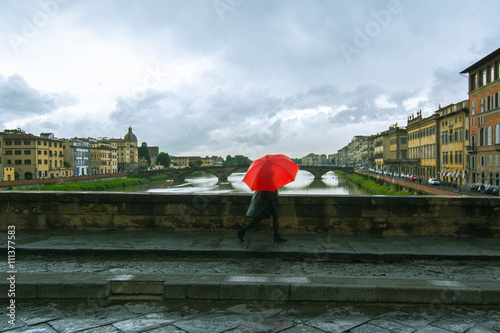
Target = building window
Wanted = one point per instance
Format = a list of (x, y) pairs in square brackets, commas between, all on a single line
[(472, 121), (491, 73), (482, 161), (473, 82), (19, 162), (27, 152), (497, 134), (489, 135), (482, 104), (8, 152), (17, 143), (18, 152), (27, 162)]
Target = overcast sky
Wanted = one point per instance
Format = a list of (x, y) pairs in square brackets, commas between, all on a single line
[(251, 77)]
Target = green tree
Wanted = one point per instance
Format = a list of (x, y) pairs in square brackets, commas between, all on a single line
[(144, 152), (238, 160), (163, 159), (195, 164)]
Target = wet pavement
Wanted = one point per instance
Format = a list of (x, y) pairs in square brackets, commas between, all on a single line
[(103, 316), (125, 255)]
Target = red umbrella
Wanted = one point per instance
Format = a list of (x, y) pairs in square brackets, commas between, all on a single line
[(270, 172)]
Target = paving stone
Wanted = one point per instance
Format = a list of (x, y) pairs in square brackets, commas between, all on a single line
[(263, 326), (38, 315), (433, 329), (368, 328), (391, 326), (102, 329), (417, 319), (339, 323), (81, 321), (302, 329), (455, 322), (41, 328), (166, 329), (146, 322), (210, 323), (485, 328)]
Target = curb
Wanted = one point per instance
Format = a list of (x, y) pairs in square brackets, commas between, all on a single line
[(251, 287), (238, 254)]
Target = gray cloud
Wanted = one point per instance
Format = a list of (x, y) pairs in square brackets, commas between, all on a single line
[(19, 99), (276, 80)]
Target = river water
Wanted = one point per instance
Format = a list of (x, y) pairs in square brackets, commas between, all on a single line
[(304, 183)]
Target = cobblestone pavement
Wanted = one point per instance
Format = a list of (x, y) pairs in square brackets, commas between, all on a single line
[(442, 269), (154, 316)]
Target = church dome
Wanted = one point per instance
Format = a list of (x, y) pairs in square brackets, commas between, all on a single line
[(130, 136)]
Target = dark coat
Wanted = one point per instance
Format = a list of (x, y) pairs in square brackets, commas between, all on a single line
[(263, 204)]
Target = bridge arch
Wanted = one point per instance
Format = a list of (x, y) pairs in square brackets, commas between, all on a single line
[(179, 175), (319, 170)]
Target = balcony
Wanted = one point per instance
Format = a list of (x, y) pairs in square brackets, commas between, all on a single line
[(471, 149)]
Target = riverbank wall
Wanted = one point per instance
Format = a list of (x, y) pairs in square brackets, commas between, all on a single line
[(343, 215), (39, 182)]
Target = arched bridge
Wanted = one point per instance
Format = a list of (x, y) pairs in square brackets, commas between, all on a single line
[(179, 175), (319, 170), (222, 173)]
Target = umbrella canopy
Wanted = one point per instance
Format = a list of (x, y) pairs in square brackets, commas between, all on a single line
[(270, 172)]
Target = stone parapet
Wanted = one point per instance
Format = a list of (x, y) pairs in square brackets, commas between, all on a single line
[(263, 287), (343, 215)]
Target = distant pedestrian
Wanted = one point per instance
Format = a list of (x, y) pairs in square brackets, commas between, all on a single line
[(262, 206)]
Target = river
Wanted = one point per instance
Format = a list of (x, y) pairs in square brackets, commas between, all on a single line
[(304, 183)]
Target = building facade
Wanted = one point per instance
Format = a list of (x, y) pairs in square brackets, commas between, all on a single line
[(103, 156), (128, 152), (33, 157), (398, 149), (423, 146), (78, 151), (453, 124), (484, 119), (381, 148)]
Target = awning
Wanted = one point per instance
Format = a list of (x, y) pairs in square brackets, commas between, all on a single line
[(454, 174), (449, 174)]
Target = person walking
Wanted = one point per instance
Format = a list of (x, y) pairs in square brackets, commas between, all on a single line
[(262, 206)]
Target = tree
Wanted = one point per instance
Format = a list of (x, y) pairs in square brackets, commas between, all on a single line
[(163, 159), (144, 152), (195, 164), (238, 160)]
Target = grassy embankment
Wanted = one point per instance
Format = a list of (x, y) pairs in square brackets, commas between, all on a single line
[(99, 185), (378, 186)]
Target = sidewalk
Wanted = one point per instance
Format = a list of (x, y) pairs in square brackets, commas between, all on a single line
[(188, 246), (226, 245)]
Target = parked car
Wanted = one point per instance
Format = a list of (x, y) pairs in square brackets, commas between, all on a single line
[(412, 178), (433, 181)]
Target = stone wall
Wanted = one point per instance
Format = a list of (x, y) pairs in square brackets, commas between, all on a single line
[(347, 215)]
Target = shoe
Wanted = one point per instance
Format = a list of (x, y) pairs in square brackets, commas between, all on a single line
[(278, 238), (240, 234)]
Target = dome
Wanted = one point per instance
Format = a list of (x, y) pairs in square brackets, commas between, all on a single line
[(130, 136)]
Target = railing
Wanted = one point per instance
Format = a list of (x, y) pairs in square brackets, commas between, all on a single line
[(471, 149)]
